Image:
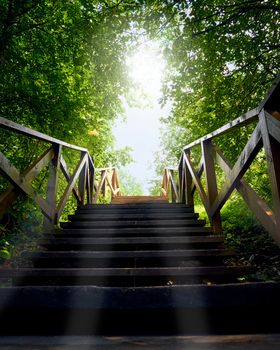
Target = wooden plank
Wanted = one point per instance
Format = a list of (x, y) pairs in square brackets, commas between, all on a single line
[(103, 186), (273, 126), (65, 172), (11, 194), (182, 182), (174, 190), (14, 177), (36, 166), (102, 180), (272, 151), (197, 182), (272, 95), (52, 185), (88, 185), (82, 178), (8, 124), (211, 183), (188, 180), (260, 209), (249, 117), (257, 205), (244, 161), (70, 187), (110, 184), (91, 181), (199, 173)]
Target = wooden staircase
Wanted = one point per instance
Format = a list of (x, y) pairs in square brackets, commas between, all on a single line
[(132, 267)]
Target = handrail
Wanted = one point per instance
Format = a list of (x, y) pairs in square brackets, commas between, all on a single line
[(8, 124), (265, 135), (81, 182)]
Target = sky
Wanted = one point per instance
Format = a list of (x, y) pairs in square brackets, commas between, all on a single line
[(141, 128)]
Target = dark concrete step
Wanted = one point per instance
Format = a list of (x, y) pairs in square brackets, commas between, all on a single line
[(133, 231), (134, 209), (135, 206), (192, 309), (131, 243), (133, 223), (129, 217), (144, 258), (126, 277)]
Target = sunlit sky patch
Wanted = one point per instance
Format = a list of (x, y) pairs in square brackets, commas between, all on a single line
[(141, 130)]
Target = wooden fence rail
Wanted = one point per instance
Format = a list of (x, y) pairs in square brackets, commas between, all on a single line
[(266, 135), (108, 178), (81, 183)]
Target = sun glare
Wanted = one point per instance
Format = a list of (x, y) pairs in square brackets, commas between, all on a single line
[(146, 68)]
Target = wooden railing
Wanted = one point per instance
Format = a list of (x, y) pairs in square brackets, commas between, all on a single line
[(169, 185), (81, 183), (108, 178), (266, 135)]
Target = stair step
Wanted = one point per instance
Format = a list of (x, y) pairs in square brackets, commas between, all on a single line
[(135, 254), (143, 258), (150, 205), (138, 216), (247, 308), (134, 223), (125, 276), (131, 243), (132, 210), (139, 199), (134, 232)]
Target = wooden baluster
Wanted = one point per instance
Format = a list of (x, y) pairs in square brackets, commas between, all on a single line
[(103, 188), (52, 187), (91, 181), (82, 179), (88, 184), (113, 182), (182, 182), (163, 191), (173, 194), (272, 151), (211, 182), (188, 182)]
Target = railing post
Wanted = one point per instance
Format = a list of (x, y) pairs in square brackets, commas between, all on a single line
[(114, 182), (52, 186), (83, 179), (182, 182), (188, 182), (272, 151), (211, 182), (91, 176), (103, 188), (173, 194)]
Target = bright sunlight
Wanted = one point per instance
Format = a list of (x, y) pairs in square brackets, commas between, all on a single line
[(146, 68), (141, 130)]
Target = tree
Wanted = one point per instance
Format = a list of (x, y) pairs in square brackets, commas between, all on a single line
[(221, 58)]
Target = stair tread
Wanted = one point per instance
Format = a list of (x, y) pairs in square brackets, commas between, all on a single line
[(138, 271), (131, 240), (137, 216), (136, 205), (134, 254), (134, 223), (134, 230), (134, 209)]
